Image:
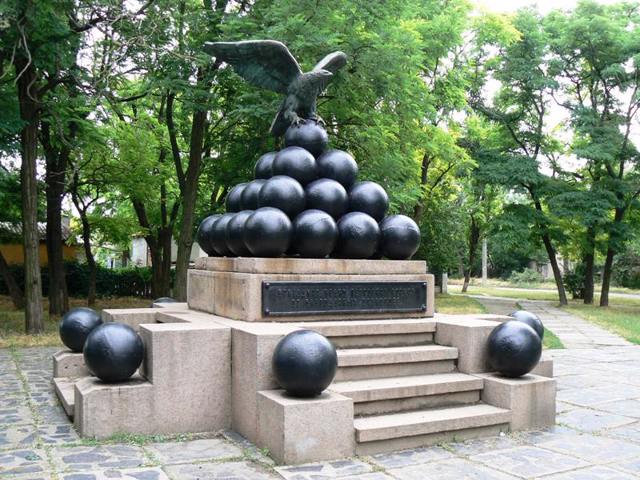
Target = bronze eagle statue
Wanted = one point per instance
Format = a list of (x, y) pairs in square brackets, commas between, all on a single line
[(269, 64)]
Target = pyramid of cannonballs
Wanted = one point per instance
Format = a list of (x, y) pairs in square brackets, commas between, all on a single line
[(305, 201)]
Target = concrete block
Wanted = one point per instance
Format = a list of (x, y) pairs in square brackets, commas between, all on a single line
[(531, 399), (297, 430), (469, 335), (310, 266), (545, 366), (239, 295), (252, 350), (69, 364), (134, 317)]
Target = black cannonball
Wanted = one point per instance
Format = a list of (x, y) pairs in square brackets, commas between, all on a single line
[(284, 193), (76, 325), (235, 234), (204, 234), (370, 198), (250, 194), (339, 166), (514, 348), (315, 234), (308, 135), (233, 200), (304, 363), (400, 237), (113, 352), (219, 235), (329, 196), (268, 232), (163, 300), (358, 235), (263, 166), (530, 319), (295, 162)]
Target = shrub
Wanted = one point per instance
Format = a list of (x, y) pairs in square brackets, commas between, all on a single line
[(573, 281), (526, 276)]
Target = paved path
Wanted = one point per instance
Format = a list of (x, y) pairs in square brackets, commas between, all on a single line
[(573, 331)]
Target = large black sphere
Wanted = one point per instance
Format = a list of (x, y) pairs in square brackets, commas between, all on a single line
[(263, 166), (113, 352), (514, 348), (329, 196), (400, 237), (76, 325), (250, 194), (268, 232), (284, 193), (530, 319), (235, 233), (297, 163), (233, 200), (204, 234), (358, 235), (370, 198), (304, 363), (219, 235), (163, 300), (315, 234), (308, 135), (339, 166)]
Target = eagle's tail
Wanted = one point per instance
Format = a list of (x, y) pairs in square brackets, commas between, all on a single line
[(279, 124)]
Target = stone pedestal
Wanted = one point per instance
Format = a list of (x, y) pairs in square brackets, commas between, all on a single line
[(531, 399), (298, 430), (69, 364), (235, 288)]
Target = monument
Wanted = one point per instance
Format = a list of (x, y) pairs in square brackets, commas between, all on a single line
[(308, 329)]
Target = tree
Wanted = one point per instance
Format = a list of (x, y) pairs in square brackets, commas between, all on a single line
[(596, 55)]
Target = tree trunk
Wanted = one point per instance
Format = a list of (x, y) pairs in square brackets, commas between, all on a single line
[(553, 260), (91, 262), (474, 237), (29, 114), (55, 182), (608, 263), (588, 260), (189, 195), (14, 289)]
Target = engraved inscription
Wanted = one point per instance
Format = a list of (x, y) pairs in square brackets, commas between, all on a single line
[(300, 298)]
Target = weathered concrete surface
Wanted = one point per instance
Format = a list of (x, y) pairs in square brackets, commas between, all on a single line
[(531, 399), (297, 430), (69, 364)]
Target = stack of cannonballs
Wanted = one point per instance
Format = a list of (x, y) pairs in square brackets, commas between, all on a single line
[(112, 351), (515, 346), (306, 201)]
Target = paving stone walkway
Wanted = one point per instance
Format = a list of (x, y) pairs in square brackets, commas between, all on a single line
[(573, 331), (597, 436)]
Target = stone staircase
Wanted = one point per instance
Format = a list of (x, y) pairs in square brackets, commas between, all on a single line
[(406, 389)]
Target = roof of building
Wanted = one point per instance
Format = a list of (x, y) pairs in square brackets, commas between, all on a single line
[(10, 231)]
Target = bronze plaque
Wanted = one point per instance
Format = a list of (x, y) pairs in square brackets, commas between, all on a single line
[(313, 298)]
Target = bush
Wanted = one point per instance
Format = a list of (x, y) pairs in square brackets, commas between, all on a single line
[(574, 282), (121, 282), (526, 276)]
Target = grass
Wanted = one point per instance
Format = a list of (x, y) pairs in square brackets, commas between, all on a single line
[(520, 294), (623, 320), (459, 304), (12, 321), (547, 284), (550, 340)]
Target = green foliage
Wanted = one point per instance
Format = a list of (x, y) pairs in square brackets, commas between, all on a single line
[(527, 276), (574, 282)]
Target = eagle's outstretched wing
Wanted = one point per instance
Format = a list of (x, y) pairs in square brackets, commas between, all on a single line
[(332, 62), (264, 63)]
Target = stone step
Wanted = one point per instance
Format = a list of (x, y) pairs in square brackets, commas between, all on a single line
[(368, 363), (376, 333), (424, 427), (65, 389), (385, 395)]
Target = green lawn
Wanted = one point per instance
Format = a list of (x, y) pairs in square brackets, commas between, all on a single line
[(623, 320), (550, 340), (12, 321), (520, 294), (547, 284), (459, 304)]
